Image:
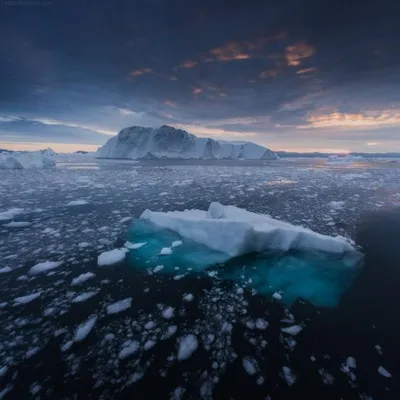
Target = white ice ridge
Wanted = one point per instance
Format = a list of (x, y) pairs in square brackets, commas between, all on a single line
[(22, 160), (235, 231)]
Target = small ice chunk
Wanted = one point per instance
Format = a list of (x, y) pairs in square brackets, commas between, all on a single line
[(176, 243), (250, 365), (31, 352), (109, 336), (82, 278), (126, 219), (288, 375), (17, 224), (351, 362), (10, 213), (215, 211), (111, 257), (119, 306), (44, 267), (158, 268), (5, 270), (84, 296), (261, 324), (66, 346), (128, 350), (187, 346), (292, 330), (165, 251), (384, 372), (84, 329), (277, 296), (168, 313), (150, 325), (133, 246), (149, 344), (188, 297), (3, 370), (77, 203), (26, 299)]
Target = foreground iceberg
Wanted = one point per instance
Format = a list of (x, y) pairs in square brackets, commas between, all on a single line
[(23, 160), (235, 231), (276, 259)]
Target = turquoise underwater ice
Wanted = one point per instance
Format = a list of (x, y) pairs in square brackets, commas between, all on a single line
[(315, 277)]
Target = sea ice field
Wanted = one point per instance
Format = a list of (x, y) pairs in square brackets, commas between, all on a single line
[(98, 302)]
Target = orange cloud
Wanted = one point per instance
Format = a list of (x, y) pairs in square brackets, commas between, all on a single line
[(297, 52), (305, 71), (170, 103), (141, 72), (189, 64), (231, 51), (197, 91), (367, 120)]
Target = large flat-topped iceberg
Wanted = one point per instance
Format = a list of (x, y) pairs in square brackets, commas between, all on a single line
[(139, 142), (235, 231)]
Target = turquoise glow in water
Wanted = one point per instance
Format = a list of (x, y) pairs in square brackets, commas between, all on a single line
[(315, 277)]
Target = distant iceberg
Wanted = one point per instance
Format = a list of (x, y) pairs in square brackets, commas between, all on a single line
[(24, 160), (236, 232), (138, 142)]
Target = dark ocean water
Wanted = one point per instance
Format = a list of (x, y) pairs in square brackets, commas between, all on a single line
[(242, 351)]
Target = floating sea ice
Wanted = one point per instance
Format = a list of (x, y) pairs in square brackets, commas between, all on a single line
[(44, 267), (176, 243), (277, 296), (133, 246), (26, 299), (165, 251), (111, 257), (17, 224), (130, 349), (10, 213), (119, 306), (168, 313), (187, 346), (84, 329), (292, 330), (384, 372), (77, 203), (288, 375), (84, 296), (158, 268), (188, 297), (149, 344), (250, 365), (5, 270), (82, 278)]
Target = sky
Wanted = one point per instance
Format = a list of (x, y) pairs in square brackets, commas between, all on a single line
[(309, 75)]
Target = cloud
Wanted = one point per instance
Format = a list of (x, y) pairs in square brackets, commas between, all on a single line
[(367, 120), (296, 53), (124, 112), (141, 72)]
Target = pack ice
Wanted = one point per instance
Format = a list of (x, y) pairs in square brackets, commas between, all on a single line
[(235, 231)]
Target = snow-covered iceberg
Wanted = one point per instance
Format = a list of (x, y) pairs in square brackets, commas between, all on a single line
[(23, 160), (138, 142), (276, 259), (235, 231)]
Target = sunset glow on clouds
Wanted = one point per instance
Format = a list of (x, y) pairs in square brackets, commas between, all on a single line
[(285, 74)]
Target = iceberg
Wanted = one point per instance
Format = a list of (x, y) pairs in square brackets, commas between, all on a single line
[(235, 231), (274, 258), (139, 142), (24, 160)]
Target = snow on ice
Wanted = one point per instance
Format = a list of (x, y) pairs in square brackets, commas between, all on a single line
[(111, 257), (235, 231), (187, 346), (44, 267)]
